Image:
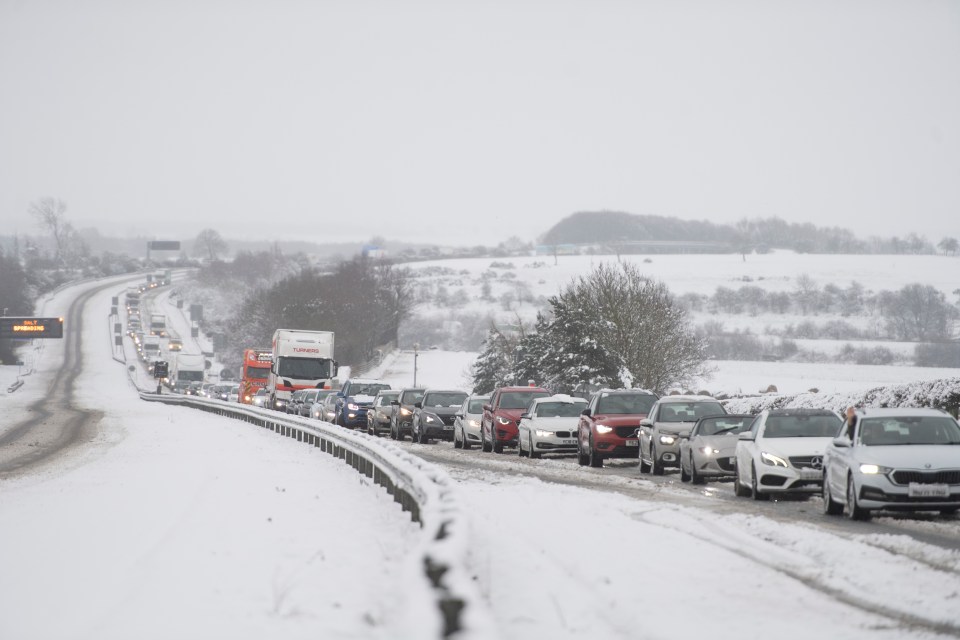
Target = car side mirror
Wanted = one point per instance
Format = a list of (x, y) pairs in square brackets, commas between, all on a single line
[(395, 402), (585, 412), (458, 415), (340, 394), (646, 422), (841, 442), (488, 407), (684, 434), (418, 405), (524, 415), (748, 436)]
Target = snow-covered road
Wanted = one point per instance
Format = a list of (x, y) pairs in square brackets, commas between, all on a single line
[(176, 523)]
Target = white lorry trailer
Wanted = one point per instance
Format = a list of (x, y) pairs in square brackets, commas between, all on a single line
[(301, 360), (186, 368)]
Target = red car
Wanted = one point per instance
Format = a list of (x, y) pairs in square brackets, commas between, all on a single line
[(498, 427), (608, 426)]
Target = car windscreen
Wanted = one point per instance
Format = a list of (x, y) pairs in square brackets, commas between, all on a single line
[(384, 399), (520, 399), (304, 368), (444, 399), (560, 409), (626, 403), (912, 430), (721, 425), (411, 397), (476, 405), (801, 426), (689, 411), (367, 389)]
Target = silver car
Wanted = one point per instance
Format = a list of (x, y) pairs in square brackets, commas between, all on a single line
[(709, 450), (380, 412), (660, 430), (466, 424), (894, 459)]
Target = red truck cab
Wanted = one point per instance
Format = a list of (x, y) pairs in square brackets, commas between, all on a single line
[(498, 427)]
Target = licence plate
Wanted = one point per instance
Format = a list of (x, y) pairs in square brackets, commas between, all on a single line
[(633, 443), (568, 442), (448, 427), (917, 490), (811, 474)]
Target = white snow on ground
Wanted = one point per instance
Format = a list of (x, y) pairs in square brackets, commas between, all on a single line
[(176, 523)]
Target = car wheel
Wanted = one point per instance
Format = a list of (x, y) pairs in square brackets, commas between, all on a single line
[(644, 465), (457, 442), (655, 465), (753, 486), (695, 478), (497, 446), (533, 453), (738, 489), (520, 452), (684, 476), (854, 511), (465, 444), (487, 447), (594, 458), (393, 430), (830, 506), (581, 456)]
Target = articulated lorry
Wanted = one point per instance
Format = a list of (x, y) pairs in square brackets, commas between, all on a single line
[(301, 360), (186, 368)]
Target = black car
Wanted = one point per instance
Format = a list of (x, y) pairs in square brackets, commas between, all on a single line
[(401, 423), (434, 414)]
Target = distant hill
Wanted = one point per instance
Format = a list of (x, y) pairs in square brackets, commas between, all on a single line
[(618, 228)]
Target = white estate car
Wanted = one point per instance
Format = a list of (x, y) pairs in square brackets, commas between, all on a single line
[(895, 459), (466, 424), (783, 452), (549, 425)]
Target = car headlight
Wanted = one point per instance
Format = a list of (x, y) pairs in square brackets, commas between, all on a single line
[(874, 469), (772, 460), (667, 439), (473, 423), (541, 433), (247, 398), (503, 420), (602, 428), (404, 411), (708, 451), (352, 406)]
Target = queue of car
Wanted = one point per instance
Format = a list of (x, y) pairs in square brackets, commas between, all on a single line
[(890, 459)]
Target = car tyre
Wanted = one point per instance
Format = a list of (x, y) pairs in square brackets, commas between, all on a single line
[(738, 489), (695, 478), (582, 459), (457, 442), (655, 465), (684, 476), (533, 453), (757, 494), (465, 443), (830, 506), (484, 445), (854, 511), (594, 458), (520, 451), (497, 447), (644, 465)]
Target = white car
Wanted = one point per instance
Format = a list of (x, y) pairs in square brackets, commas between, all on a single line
[(550, 426), (659, 433), (466, 425), (783, 452), (895, 459)]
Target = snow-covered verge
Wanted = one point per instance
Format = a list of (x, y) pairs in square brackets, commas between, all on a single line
[(938, 394), (423, 488)]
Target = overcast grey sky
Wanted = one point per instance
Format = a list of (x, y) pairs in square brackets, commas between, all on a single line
[(468, 122)]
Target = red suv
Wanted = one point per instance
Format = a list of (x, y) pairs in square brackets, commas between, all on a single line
[(608, 426), (498, 427)]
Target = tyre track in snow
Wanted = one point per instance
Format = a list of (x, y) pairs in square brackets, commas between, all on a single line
[(57, 424)]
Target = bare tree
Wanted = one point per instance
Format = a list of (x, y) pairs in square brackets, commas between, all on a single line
[(50, 214), (210, 244)]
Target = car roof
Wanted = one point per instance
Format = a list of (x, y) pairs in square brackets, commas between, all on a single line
[(444, 391), (559, 397), (801, 412), (617, 391), (669, 399), (365, 381), (522, 389), (906, 412)]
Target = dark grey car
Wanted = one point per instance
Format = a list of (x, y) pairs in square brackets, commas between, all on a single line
[(433, 415)]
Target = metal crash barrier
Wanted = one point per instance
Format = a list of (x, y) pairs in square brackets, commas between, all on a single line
[(422, 489)]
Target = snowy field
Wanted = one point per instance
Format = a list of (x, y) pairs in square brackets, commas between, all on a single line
[(174, 523)]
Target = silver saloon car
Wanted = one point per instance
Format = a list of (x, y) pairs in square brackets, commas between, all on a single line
[(893, 459)]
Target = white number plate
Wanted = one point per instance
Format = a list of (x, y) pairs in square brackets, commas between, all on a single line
[(811, 474), (448, 427), (633, 443), (917, 490), (568, 442)]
